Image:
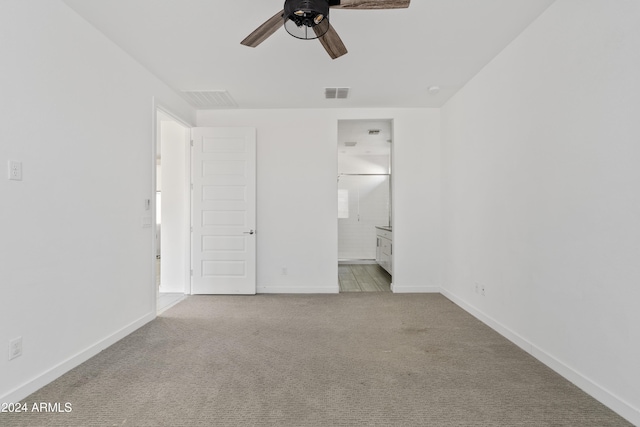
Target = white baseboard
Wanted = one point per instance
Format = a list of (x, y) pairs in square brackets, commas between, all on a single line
[(298, 290), (19, 393), (160, 310), (596, 391)]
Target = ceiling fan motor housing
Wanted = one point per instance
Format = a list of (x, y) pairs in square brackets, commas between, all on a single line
[(306, 19)]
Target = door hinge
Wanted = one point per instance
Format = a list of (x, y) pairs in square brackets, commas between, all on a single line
[(192, 142), (192, 271), (192, 186)]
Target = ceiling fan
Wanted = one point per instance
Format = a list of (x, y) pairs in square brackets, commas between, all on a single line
[(309, 19)]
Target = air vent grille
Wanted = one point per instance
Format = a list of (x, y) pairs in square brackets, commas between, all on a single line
[(209, 99), (336, 92)]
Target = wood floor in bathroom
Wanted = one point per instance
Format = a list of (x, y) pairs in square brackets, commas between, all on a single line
[(363, 278)]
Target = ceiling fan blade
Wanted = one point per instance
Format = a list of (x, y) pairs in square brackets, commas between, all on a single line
[(369, 4), (332, 42), (265, 30)]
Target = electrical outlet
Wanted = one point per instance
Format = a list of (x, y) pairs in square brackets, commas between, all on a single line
[(15, 348), (15, 170)]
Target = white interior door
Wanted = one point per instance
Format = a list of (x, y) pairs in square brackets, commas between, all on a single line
[(223, 240)]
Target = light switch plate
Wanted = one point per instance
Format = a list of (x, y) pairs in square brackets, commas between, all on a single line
[(15, 348), (15, 170)]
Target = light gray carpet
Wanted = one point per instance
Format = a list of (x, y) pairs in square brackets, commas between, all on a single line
[(374, 359)]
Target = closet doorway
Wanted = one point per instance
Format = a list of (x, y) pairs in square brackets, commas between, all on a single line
[(364, 205)]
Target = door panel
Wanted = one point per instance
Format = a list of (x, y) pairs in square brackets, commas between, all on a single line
[(224, 211)]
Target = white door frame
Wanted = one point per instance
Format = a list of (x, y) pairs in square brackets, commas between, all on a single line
[(158, 107), (391, 121)]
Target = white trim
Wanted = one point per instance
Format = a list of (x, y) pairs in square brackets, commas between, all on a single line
[(344, 261), (62, 368), (157, 106), (601, 394), (155, 125), (161, 310), (298, 290), (489, 321), (188, 180), (168, 112)]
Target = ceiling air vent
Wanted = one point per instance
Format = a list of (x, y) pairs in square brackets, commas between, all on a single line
[(209, 99), (336, 92)]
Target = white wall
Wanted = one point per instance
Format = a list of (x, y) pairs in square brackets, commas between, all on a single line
[(75, 262), (174, 142), (297, 202), (541, 203)]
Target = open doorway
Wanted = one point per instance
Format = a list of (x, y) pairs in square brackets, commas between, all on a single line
[(364, 205), (172, 210)]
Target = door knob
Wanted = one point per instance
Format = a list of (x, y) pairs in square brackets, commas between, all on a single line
[(249, 232)]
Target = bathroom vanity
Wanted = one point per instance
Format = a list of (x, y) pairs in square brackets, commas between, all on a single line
[(384, 248)]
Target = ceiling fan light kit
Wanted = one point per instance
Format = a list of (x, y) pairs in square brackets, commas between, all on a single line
[(309, 19), (306, 19)]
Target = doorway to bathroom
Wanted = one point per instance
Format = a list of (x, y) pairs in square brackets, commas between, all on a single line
[(365, 248)]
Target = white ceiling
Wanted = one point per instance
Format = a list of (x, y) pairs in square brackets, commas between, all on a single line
[(394, 55)]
